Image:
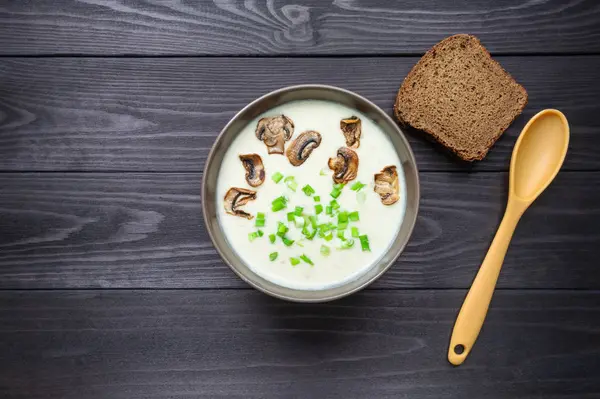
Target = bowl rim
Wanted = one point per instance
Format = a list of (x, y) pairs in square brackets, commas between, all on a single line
[(398, 251)]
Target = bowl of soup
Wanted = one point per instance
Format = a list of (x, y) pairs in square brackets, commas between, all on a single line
[(310, 193)]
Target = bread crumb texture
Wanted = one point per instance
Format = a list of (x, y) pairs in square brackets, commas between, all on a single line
[(460, 96)]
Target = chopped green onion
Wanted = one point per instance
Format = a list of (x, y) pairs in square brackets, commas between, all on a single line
[(298, 211), (323, 172), (313, 221), (317, 198), (361, 197), (294, 261), (278, 204), (259, 222), (312, 235), (260, 215), (260, 233), (355, 233), (273, 256), (336, 192), (299, 221), (291, 217), (342, 226), (308, 190), (307, 259), (329, 210), (281, 229), (318, 208), (349, 243), (334, 204), (277, 177), (364, 243), (272, 238), (339, 186), (342, 217), (353, 216), (357, 186), (328, 236), (252, 236), (300, 244), (340, 235), (290, 181), (286, 241), (325, 251)]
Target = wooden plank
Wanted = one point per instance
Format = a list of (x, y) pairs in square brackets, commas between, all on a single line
[(90, 114), (146, 231), (285, 27), (243, 344)]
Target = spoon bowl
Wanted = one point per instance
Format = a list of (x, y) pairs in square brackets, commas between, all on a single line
[(538, 154), (537, 157)]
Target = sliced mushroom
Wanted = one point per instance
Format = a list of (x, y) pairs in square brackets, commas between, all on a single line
[(274, 131), (352, 129), (302, 147), (237, 197), (386, 185), (255, 170), (344, 165)]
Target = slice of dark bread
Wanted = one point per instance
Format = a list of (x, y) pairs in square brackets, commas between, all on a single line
[(460, 96)]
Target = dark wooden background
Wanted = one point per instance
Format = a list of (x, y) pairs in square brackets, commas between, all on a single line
[(110, 287)]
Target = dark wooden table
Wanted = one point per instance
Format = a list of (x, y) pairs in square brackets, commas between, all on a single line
[(110, 287)]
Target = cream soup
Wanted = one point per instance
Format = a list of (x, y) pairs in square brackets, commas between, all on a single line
[(333, 265)]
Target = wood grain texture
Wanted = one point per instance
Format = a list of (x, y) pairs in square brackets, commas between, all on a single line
[(90, 114), (146, 231), (293, 27), (243, 344)]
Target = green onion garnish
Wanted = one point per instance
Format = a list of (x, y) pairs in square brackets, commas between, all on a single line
[(361, 197), (298, 211), (312, 235), (322, 172), (294, 261), (342, 226), (291, 217), (278, 204), (272, 238), (299, 243), (336, 192), (353, 216), (308, 190), (339, 186), (349, 243), (252, 236), (307, 259), (313, 221), (290, 181), (273, 256), (318, 208), (277, 177), (260, 215), (329, 210), (334, 204), (286, 241), (317, 198), (328, 236), (281, 229), (260, 233), (342, 217), (355, 233), (357, 186), (259, 222), (364, 243), (340, 235), (325, 251)]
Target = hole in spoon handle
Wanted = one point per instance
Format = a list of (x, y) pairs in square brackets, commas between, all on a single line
[(457, 354)]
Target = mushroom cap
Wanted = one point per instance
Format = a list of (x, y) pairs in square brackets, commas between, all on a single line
[(302, 147), (352, 129), (255, 170), (387, 186), (344, 165), (237, 197), (274, 131)]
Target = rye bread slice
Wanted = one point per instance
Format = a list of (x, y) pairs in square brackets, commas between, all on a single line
[(460, 96)]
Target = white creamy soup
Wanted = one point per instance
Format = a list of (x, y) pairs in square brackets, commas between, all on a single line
[(335, 260)]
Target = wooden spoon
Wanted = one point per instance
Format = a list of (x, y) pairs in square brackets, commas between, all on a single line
[(536, 159)]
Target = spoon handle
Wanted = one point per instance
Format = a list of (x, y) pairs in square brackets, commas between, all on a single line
[(472, 313)]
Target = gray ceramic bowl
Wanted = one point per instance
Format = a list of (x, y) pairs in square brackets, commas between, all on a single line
[(210, 204)]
